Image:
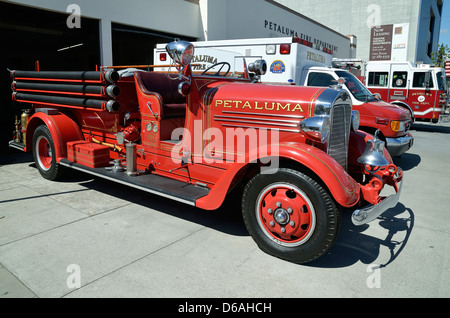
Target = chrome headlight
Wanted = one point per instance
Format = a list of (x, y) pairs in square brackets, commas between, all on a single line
[(317, 128), (355, 120)]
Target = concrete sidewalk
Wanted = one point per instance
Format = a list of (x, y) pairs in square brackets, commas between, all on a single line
[(116, 241)]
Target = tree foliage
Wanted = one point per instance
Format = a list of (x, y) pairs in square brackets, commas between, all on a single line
[(440, 55)]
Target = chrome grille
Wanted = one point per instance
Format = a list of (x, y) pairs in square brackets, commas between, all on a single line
[(341, 116)]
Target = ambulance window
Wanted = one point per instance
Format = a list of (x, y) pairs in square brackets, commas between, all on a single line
[(399, 79), (419, 80), (378, 79), (320, 79)]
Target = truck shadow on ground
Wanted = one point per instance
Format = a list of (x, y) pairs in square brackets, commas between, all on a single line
[(353, 244), (429, 127), (407, 161)]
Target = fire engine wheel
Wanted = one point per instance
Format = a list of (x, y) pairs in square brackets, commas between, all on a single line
[(290, 215), (44, 154)]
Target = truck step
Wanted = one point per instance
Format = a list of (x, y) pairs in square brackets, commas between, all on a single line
[(17, 145), (162, 186)]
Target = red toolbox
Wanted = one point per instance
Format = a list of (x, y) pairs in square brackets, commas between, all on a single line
[(88, 154)]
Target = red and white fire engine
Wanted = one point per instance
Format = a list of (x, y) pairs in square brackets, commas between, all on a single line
[(296, 152), (420, 87), (295, 61)]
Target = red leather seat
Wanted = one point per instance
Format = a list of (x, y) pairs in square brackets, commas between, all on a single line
[(159, 84)]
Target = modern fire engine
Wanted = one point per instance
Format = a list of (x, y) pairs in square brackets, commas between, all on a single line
[(295, 153), (420, 87), (297, 62)]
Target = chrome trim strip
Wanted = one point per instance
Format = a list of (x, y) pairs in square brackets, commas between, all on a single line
[(263, 119), (258, 122), (256, 127), (263, 114)]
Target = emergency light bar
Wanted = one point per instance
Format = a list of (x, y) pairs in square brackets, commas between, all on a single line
[(301, 41), (285, 49)]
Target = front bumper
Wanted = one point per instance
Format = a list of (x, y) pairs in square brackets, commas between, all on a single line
[(371, 212), (398, 146)]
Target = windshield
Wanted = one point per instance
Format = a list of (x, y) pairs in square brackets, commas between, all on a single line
[(217, 62), (359, 91), (442, 81)]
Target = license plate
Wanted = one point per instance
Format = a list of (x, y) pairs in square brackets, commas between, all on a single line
[(444, 118)]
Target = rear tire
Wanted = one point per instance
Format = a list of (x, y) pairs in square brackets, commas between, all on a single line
[(290, 215), (44, 154)]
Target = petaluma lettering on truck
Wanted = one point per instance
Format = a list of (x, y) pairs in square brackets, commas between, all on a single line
[(274, 106)]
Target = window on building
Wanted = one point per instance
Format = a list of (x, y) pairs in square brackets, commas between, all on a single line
[(420, 78), (399, 79), (431, 30), (321, 79), (134, 46), (378, 79)]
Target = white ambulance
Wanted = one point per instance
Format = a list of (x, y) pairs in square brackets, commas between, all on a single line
[(294, 61), (286, 57)]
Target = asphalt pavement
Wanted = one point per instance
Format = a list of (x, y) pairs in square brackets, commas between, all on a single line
[(86, 237)]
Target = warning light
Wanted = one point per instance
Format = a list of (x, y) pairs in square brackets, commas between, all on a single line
[(285, 49)]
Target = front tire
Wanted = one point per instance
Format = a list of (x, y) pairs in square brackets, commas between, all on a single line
[(44, 154), (290, 215)]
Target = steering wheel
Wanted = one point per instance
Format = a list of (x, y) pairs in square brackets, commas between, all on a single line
[(218, 72)]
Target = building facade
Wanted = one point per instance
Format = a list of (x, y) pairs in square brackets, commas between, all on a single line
[(412, 26)]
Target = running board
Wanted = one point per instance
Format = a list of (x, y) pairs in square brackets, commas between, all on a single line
[(162, 186)]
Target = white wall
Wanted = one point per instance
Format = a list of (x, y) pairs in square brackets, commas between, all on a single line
[(238, 19)]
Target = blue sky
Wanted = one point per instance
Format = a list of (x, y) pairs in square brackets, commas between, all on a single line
[(444, 37)]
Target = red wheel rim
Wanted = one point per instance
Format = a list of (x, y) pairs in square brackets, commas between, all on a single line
[(43, 153), (285, 214)]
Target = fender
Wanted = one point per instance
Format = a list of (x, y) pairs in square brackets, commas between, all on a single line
[(404, 105), (344, 189), (62, 128)]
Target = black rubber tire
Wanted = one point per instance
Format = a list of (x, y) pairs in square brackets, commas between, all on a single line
[(327, 216), (50, 170)]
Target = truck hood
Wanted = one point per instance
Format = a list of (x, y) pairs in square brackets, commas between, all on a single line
[(264, 99), (383, 109)]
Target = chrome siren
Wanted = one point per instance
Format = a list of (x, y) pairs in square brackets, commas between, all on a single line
[(181, 52)]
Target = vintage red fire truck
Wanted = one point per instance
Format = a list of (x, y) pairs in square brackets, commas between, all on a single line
[(296, 152), (421, 88), (296, 61)]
